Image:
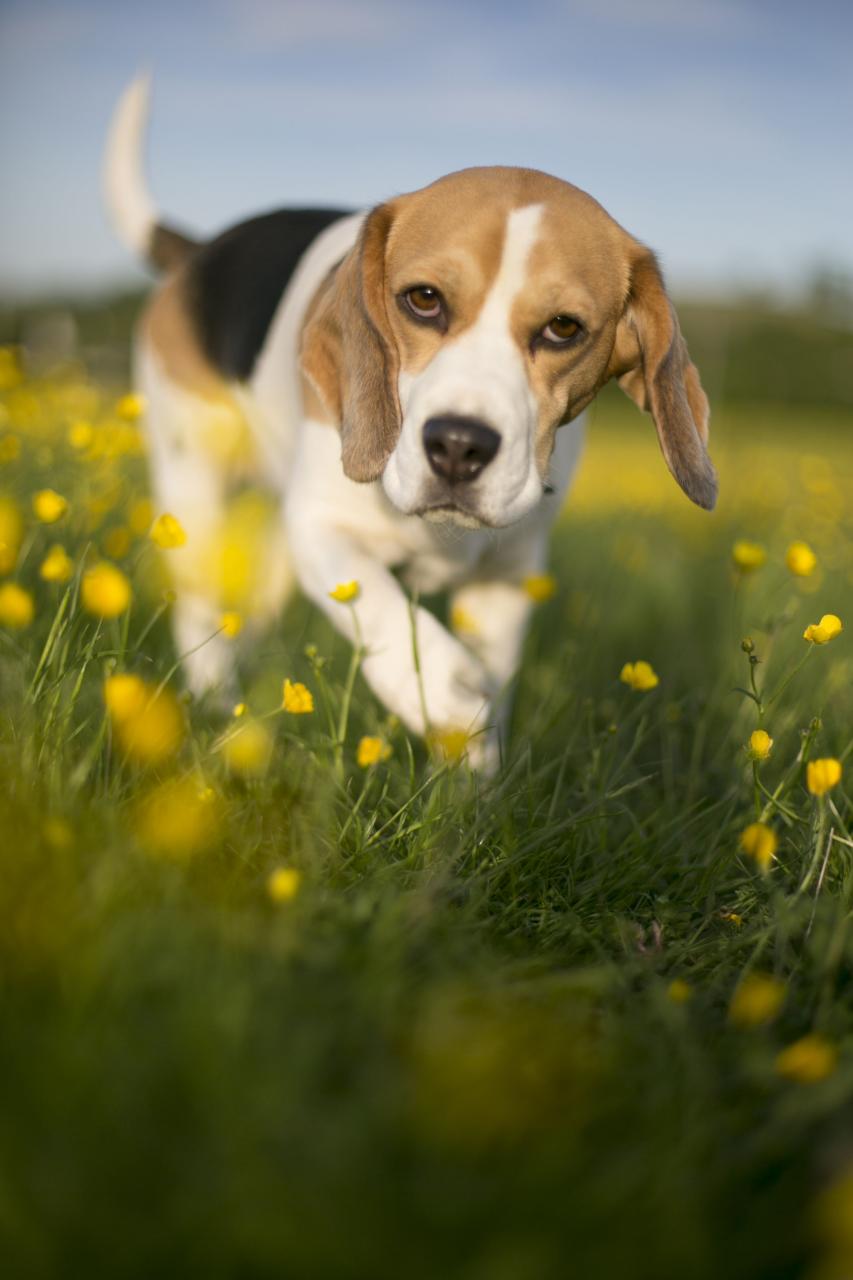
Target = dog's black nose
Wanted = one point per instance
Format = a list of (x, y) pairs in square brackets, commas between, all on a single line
[(459, 448)]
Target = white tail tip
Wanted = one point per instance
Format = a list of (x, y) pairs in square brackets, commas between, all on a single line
[(128, 200)]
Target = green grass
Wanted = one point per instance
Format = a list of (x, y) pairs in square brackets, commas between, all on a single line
[(454, 1053)]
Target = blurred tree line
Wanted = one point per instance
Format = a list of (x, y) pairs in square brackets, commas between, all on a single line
[(752, 348)]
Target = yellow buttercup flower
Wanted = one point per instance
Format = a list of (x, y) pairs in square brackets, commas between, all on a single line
[(16, 606), (370, 751), (57, 566), (823, 775), (808, 1060), (639, 675), (801, 560), (130, 406), (248, 749), (239, 709), (167, 532), (748, 556), (756, 1001), (11, 534), (283, 884), (760, 744), (451, 744), (732, 917), (147, 721), (81, 434), (296, 698), (345, 592), (178, 818), (822, 632), (679, 991), (49, 506), (105, 591), (540, 586), (231, 623), (760, 843)]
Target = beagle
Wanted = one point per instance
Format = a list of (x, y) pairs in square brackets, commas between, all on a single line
[(412, 380)]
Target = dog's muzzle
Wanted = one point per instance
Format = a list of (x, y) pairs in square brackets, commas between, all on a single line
[(458, 449)]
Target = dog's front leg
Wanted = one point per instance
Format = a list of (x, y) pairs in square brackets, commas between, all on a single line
[(452, 690)]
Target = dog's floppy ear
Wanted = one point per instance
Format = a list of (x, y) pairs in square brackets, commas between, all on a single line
[(350, 357), (651, 364)]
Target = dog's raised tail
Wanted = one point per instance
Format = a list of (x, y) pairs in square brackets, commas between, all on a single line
[(129, 203)]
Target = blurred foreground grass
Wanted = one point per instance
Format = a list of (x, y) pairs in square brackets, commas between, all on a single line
[(269, 1012)]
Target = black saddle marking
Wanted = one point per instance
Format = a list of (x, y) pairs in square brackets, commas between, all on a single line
[(236, 282)]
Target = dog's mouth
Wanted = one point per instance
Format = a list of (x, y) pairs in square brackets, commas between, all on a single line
[(450, 513)]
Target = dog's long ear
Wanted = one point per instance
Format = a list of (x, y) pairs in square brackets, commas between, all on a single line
[(651, 364), (350, 357)]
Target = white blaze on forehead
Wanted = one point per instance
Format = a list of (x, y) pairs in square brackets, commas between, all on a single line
[(482, 374)]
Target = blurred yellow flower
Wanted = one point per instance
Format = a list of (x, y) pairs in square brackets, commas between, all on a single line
[(823, 775), (10, 448), (168, 532), (130, 406), (105, 591), (231, 623), (57, 566), (639, 675), (760, 843), (808, 1060), (81, 434), (239, 709), (760, 744), (756, 1001), (748, 556), (117, 542), (679, 991), (247, 750), (371, 751), (801, 560), (16, 606), (147, 721), (540, 586), (451, 744), (464, 622), (49, 506), (732, 917), (822, 632), (296, 698), (283, 884), (11, 534), (178, 818), (345, 592)]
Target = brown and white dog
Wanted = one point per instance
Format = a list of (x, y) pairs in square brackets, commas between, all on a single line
[(404, 374)]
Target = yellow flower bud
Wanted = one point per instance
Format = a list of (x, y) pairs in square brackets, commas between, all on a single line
[(297, 699), (49, 506), (823, 775), (748, 556), (167, 532), (822, 632), (639, 676), (283, 884), (807, 1060), (57, 566), (16, 606), (370, 751), (760, 744), (345, 592), (801, 560), (756, 1001), (540, 587), (760, 843), (105, 591)]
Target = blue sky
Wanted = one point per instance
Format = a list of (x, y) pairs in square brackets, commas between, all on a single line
[(718, 131)]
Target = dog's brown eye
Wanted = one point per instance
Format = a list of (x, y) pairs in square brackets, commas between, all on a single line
[(560, 330), (424, 302)]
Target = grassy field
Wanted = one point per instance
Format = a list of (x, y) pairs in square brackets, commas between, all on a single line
[(270, 1012)]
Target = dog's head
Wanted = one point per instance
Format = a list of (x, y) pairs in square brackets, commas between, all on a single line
[(471, 320)]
